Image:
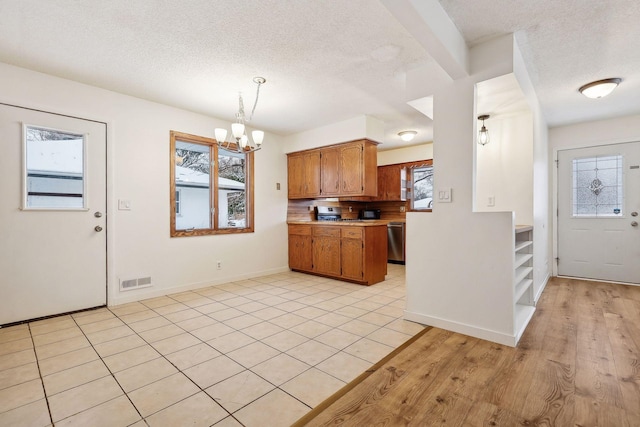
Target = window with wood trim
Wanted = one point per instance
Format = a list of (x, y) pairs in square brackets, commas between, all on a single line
[(211, 188)]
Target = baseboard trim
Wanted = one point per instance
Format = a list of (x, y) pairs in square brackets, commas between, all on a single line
[(461, 328), (539, 293), (146, 293)]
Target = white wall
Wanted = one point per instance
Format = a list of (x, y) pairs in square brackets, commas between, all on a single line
[(347, 130), (542, 214), (589, 134), (460, 263), (504, 169), (406, 154), (138, 170)]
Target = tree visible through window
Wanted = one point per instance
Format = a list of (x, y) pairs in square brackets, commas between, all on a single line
[(212, 187), (422, 188)]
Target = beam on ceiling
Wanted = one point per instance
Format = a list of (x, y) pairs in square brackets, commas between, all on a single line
[(430, 25)]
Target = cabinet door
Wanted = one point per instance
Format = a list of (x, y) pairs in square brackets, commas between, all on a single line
[(352, 259), (330, 167), (295, 176), (326, 255), (312, 174), (352, 169), (300, 255)]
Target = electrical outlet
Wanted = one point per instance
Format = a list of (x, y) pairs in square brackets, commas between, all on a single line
[(402, 209), (491, 201), (310, 208), (219, 265), (350, 209)]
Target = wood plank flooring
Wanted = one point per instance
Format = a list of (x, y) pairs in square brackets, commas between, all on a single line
[(578, 364)]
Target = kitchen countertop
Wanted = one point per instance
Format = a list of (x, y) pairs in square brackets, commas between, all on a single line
[(358, 223)]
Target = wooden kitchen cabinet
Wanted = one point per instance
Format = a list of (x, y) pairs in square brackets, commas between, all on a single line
[(344, 170), (351, 253), (300, 251), (392, 183), (303, 170), (326, 250)]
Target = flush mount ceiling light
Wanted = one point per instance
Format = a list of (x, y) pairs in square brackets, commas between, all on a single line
[(483, 134), (407, 135), (242, 142), (600, 88)]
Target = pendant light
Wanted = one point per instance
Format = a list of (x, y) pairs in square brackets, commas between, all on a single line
[(483, 134)]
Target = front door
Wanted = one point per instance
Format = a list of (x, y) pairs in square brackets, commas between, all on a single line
[(52, 214), (598, 208)]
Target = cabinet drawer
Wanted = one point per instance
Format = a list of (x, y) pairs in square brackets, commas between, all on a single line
[(301, 230), (352, 232), (326, 231)]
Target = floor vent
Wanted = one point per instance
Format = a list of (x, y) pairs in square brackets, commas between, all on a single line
[(140, 282)]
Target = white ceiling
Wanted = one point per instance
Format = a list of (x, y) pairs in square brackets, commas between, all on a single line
[(324, 61)]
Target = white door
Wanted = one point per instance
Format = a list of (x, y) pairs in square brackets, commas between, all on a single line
[(52, 214), (598, 207)]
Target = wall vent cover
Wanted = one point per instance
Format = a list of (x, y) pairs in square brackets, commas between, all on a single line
[(130, 284)]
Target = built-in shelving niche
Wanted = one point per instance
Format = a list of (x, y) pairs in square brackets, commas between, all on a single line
[(523, 279)]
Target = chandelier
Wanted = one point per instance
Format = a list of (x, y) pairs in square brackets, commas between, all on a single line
[(242, 144)]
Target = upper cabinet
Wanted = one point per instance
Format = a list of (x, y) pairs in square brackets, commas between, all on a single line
[(304, 174), (348, 169), (392, 183)]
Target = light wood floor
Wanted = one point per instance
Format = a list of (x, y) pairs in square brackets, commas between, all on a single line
[(578, 364)]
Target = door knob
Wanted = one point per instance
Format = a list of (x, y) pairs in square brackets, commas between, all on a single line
[(98, 228), (634, 223), (634, 213), (98, 214)]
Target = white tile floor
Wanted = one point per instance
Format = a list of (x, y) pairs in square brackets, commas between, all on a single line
[(259, 352)]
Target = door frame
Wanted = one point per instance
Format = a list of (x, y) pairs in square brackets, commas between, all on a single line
[(110, 288), (555, 202)]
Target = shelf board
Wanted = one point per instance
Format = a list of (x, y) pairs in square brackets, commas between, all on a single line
[(521, 273), (521, 288), (523, 228), (522, 258), (523, 244)]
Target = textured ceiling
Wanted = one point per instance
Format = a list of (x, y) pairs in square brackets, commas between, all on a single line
[(324, 61), (566, 43)]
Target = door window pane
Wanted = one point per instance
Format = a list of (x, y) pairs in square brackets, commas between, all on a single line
[(54, 168), (422, 188), (232, 197), (193, 167), (597, 187)]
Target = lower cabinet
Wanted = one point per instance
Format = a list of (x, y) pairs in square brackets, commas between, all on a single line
[(300, 254), (351, 253), (325, 248)]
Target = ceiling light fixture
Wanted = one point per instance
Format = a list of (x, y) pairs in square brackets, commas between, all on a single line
[(407, 135), (600, 88), (242, 143), (483, 134)]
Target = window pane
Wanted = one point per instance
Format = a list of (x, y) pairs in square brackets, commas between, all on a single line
[(422, 186), (193, 183), (232, 196), (597, 186), (54, 168)]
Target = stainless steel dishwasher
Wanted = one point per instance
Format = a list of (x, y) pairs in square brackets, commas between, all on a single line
[(395, 242)]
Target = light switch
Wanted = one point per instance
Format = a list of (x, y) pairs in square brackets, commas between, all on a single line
[(444, 195), (491, 201), (124, 205)]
